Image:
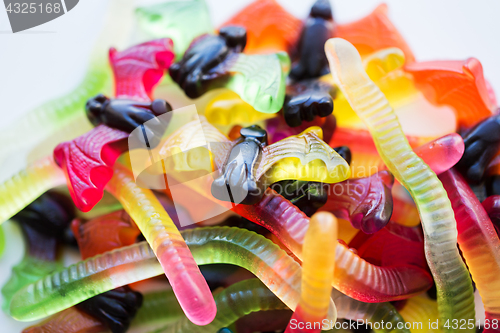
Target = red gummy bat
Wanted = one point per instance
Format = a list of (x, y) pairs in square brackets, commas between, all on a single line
[(88, 160)]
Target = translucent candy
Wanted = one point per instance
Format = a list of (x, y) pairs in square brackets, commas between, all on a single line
[(158, 307), (278, 129), (391, 246), (353, 276), (24, 187), (181, 21), (420, 311), (88, 160), (70, 320), (63, 118), (234, 302), (104, 233), (275, 29), (459, 84), (492, 207), (302, 157), (307, 196), (374, 32), (214, 61), (205, 63), (228, 108), (366, 202), (318, 265), (137, 262), (173, 254), (260, 80), (43, 223), (477, 239), (455, 295)]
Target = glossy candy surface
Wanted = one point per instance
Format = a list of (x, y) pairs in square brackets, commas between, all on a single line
[(43, 223), (365, 202), (238, 178), (137, 262), (214, 61), (307, 196), (245, 182), (420, 309), (70, 320), (492, 207), (181, 21), (305, 101), (27, 185), (126, 115), (477, 240), (455, 298), (172, 252), (374, 32), (459, 84), (275, 30), (116, 308), (228, 108), (353, 276), (318, 265), (234, 302), (317, 29), (192, 72), (482, 143), (104, 233), (137, 70)]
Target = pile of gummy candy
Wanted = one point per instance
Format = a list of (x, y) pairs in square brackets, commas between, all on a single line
[(290, 200)]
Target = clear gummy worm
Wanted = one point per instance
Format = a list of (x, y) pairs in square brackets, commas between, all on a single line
[(27, 185), (188, 283), (222, 245), (352, 275), (478, 242), (455, 294), (234, 302)]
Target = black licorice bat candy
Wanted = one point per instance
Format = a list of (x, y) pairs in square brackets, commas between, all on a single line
[(237, 183)]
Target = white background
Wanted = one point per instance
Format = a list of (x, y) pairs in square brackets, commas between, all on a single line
[(48, 61)]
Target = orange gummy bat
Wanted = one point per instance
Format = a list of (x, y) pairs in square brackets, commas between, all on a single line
[(374, 32), (270, 28), (458, 84), (70, 320), (104, 233)]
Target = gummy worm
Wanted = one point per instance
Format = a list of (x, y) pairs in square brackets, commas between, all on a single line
[(185, 277), (27, 185), (477, 240), (279, 272), (349, 308), (233, 303), (317, 272), (422, 310), (455, 294), (353, 275), (159, 306), (223, 245)]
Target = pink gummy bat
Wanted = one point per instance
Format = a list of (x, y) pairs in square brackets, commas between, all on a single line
[(88, 160)]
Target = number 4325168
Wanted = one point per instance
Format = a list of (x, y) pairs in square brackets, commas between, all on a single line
[(32, 8)]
